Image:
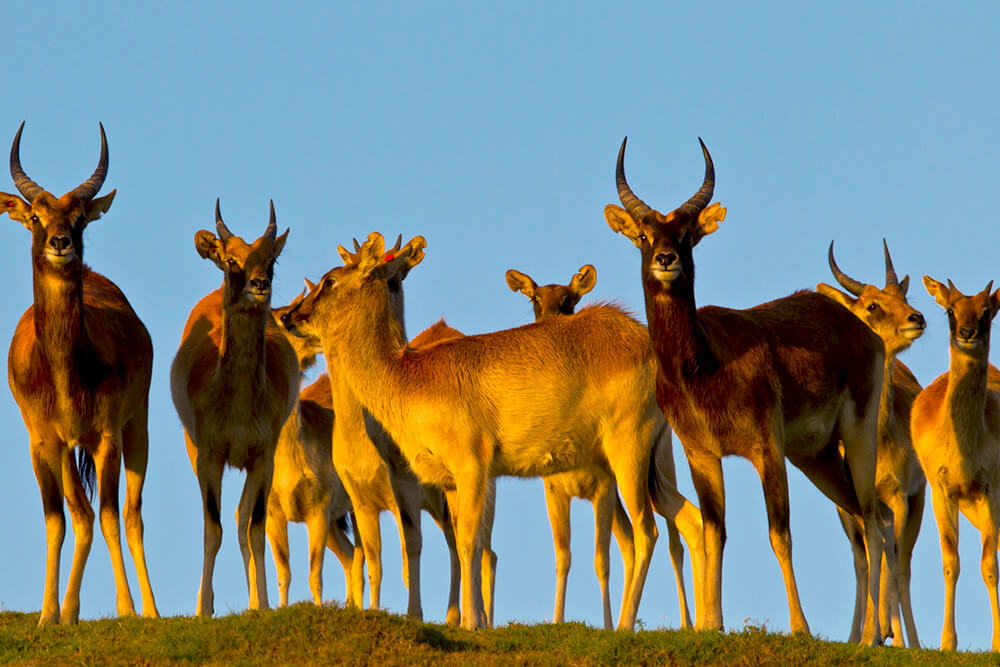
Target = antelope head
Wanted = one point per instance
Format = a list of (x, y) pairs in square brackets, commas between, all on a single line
[(969, 317), (306, 347), (56, 223), (551, 300), (666, 241), (248, 268), (369, 266), (884, 310)]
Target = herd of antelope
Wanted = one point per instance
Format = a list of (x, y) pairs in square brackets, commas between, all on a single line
[(586, 399)]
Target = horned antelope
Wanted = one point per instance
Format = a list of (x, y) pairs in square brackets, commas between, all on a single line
[(899, 481), (234, 383), (548, 397), (305, 487), (376, 477), (956, 434), (79, 368), (789, 378), (595, 484)]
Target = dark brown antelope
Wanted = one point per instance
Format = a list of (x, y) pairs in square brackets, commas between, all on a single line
[(549, 397), (956, 433), (234, 383), (305, 487), (79, 368), (789, 378), (899, 480), (594, 484)]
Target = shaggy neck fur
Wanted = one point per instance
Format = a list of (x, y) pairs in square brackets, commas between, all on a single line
[(61, 339), (965, 399), (242, 352)]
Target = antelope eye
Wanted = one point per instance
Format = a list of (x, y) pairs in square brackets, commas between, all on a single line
[(950, 311), (231, 263), (35, 219), (872, 307)]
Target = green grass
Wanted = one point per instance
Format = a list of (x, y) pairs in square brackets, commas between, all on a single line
[(305, 634)]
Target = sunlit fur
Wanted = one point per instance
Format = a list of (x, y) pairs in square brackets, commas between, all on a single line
[(899, 480), (79, 368), (597, 486), (378, 479), (956, 433), (791, 378), (234, 382), (540, 399), (305, 487)]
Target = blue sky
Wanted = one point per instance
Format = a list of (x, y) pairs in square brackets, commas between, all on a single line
[(493, 133)]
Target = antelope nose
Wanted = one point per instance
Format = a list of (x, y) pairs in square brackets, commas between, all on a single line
[(260, 284), (966, 333), (665, 259), (917, 319), (59, 242)]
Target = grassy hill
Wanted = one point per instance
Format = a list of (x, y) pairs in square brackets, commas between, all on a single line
[(305, 634)]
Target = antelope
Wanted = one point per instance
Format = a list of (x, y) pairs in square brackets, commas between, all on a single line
[(234, 383), (377, 479), (789, 378), (79, 368), (305, 487), (956, 434), (594, 484), (899, 481), (548, 397)]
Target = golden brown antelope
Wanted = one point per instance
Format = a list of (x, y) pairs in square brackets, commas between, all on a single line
[(789, 378), (377, 479), (79, 368), (956, 433), (305, 487), (594, 484), (899, 480), (234, 383), (548, 397)]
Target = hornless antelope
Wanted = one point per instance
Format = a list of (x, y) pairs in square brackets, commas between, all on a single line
[(377, 478), (595, 484), (956, 433), (305, 487), (548, 397), (234, 383), (899, 480), (79, 368), (789, 378)]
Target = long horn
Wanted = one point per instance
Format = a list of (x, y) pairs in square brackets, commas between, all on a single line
[(25, 185), (890, 273), (92, 185), (850, 284), (635, 206), (704, 195), (272, 224), (220, 226)]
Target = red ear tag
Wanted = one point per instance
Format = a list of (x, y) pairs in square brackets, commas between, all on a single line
[(388, 258), (10, 203)]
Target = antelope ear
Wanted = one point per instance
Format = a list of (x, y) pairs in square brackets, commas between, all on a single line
[(345, 256), (995, 301), (619, 220), (939, 291), (844, 299), (583, 281), (519, 282), (371, 252), (279, 243), (208, 245), (708, 221), (16, 208), (95, 208)]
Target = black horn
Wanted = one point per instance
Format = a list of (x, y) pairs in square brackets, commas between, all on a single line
[(220, 226), (92, 185), (24, 185), (850, 284), (701, 198), (272, 224), (635, 206)]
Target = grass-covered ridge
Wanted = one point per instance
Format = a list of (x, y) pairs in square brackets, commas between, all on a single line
[(308, 634)]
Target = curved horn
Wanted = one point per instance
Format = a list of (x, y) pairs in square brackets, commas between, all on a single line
[(850, 284), (635, 206), (272, 224), (704, 195), (890, 273), (220, 226), (357, 246), (24, 185), (90, 187)]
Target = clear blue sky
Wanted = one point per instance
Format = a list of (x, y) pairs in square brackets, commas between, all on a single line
[(493, 132)]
